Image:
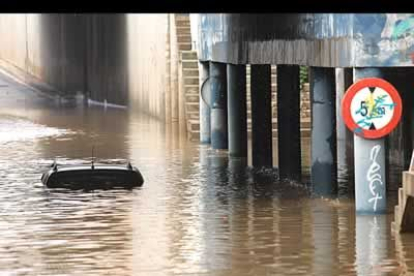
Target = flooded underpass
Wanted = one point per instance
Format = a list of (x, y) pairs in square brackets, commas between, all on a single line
[(198, 212)]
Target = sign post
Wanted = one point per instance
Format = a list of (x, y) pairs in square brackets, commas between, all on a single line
[(371, 109)]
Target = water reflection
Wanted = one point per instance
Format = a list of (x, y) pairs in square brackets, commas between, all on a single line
[(371, 244), (199, 212), (405, 255)]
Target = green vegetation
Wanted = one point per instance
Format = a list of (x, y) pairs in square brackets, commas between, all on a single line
[(303, 75)]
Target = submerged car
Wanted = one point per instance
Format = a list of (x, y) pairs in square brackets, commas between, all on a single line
[(93, 176)]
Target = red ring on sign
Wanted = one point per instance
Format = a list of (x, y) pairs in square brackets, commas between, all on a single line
[(346, 107)]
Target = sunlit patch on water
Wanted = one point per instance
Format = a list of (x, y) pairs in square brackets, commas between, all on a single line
[(12, 129), (198, 213)]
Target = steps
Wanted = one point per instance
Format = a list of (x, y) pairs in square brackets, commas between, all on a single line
[(182, 23), (188, 66), (404, 211)]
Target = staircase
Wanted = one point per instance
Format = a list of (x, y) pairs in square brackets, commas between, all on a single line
[(183, 31), (190, 81), (404, 211), (188, 75)]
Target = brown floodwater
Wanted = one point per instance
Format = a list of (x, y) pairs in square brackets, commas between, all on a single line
[(198, 213)]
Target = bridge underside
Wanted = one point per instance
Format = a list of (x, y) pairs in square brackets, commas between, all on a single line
[(327, 40)]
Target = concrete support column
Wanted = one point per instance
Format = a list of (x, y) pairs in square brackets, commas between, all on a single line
[(261, 116), (288, 122), (344, 79), (407, 118), (218, 117), (237, 119), (323, 149), (237, 172), (205, 134), (369, 163)]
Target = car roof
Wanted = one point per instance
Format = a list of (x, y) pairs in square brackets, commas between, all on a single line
[(85, 167)]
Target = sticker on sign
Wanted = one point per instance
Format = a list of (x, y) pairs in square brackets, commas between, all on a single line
[(371, 108)]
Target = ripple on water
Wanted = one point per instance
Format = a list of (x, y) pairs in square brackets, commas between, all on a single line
[(12, 129), (199, 213)]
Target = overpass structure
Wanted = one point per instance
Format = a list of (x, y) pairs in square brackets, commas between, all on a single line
[(338, 49), (151, 63)]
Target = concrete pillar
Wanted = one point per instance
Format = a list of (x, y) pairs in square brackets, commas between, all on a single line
[(237, 172), (407, 117), (399, 147), (261, 97), (370, 167), (344, 79), (323, 149), (237, 119), (288, 121), (205, 134), (218, 117)]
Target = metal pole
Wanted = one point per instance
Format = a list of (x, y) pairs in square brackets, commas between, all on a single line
[(261, 116), (288, 121), (407, 120), (237, 119), (323, 150), (205, 135), (237, 172), (218, 122), (342, 84), (370, 167)]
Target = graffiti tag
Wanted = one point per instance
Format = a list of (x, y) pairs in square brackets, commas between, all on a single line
[(374, 177), (371, 109)]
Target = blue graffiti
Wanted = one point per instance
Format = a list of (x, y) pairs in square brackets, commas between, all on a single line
[(358, 130), (375, 111), (403, 28), (370, 27)]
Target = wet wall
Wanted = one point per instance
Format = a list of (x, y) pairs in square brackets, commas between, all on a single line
[(148, 58), (106, 57), (117, 58), (61, 57), (328, 40), (47, 47)]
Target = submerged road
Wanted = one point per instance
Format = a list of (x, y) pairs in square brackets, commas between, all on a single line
[(198, 213)]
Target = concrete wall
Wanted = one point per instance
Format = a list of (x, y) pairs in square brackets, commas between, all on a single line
[(147, 48), (106, 58), (114, 57), (13, 29), (48, 47)]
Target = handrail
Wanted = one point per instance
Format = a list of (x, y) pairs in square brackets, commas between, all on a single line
[(201, 91)]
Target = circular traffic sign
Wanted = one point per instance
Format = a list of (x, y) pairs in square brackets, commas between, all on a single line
[(371, 108)]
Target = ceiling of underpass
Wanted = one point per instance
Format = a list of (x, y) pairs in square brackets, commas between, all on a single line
[(330, 40)]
